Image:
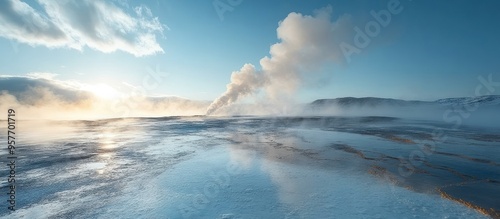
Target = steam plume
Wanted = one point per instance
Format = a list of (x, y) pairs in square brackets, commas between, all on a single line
[(306, 43)]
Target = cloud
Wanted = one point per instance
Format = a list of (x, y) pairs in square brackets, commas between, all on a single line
[(33, 91), (21, 22), (46, 75), (307, 42), (35, 97), (99, 25)]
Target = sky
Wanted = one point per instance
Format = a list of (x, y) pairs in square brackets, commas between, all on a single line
[(190, 49)]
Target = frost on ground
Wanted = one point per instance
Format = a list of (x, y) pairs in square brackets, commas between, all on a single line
[(254, 167)]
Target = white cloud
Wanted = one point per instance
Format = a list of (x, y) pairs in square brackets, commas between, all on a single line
[(21, 22), (45, 75), (99, 25)]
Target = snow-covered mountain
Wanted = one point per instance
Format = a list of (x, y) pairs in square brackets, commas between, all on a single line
[(482, 100), (364, 101), (347, 102)]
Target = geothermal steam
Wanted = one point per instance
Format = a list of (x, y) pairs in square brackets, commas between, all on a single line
[(307, 42)]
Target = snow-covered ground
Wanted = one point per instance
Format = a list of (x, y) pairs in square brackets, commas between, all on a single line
[(250, 167)]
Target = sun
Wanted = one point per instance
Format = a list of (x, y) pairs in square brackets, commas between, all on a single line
[(103, 91)]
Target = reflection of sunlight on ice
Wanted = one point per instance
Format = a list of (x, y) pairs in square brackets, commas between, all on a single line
[(107, 140), (106, 156)]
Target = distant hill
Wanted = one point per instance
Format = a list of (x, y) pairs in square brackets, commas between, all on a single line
[(346, 102), (482, 100)]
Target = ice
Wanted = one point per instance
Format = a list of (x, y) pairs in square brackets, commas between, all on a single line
[(253, 167)]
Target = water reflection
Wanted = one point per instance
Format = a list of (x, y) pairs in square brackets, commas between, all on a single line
[(107, 141), (274, 155), (154, 165)]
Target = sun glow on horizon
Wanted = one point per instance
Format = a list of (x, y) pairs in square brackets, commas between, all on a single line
[(103, 91)]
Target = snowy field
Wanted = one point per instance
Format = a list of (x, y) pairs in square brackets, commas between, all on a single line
[(254, 167)]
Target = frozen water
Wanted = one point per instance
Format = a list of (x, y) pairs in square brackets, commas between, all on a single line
[(251, 167)]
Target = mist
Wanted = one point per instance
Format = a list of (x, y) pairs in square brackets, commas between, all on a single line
[(39, 98)]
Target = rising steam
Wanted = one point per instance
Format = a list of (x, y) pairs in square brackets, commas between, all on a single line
[(307, 42)]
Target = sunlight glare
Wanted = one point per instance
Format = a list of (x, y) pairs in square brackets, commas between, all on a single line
[(104, 91)]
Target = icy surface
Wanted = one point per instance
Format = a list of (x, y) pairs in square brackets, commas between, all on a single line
[(245, 167)]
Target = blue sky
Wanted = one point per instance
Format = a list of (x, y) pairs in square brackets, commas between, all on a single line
[(431, 50)]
